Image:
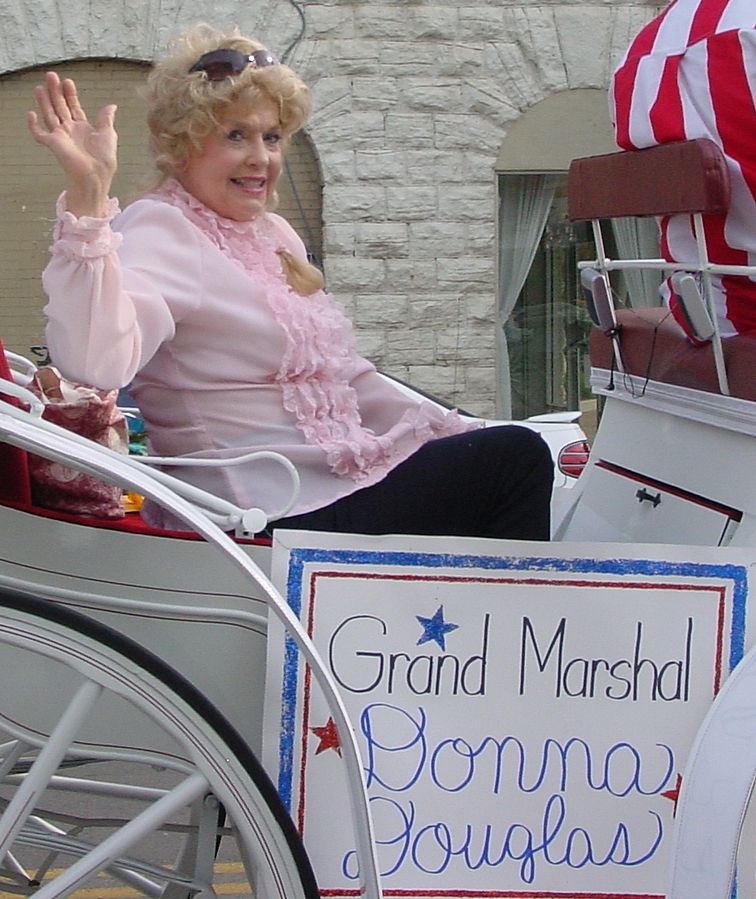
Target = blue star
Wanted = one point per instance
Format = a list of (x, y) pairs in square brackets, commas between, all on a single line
[(435, 628)]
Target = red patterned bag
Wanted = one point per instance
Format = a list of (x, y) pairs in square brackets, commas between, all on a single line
[(92, 413)]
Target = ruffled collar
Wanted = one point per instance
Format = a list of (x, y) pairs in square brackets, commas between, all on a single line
[(253, 245), (229, 235), (176, 194)]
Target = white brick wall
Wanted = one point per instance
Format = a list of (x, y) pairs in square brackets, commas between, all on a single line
[(412, 101)]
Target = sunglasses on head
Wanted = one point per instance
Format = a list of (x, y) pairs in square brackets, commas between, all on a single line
[(224, 63)]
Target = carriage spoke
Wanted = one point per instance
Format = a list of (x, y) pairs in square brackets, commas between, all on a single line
[(13, 868), (11, 752), (114, 846), (146, 878), (46, 763)]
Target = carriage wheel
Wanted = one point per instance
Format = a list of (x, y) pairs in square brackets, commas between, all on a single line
[(113, 767)]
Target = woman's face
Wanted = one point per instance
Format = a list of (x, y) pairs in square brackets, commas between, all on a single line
[(236, 169)]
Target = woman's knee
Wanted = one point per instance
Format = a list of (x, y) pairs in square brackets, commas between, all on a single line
[(519, 442)]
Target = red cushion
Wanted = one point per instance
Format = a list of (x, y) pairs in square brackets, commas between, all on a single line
[(684, 176), (654, 346), (14, 467)]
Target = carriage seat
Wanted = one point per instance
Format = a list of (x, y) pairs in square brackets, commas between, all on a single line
[(681, 177), (15, 491), (654, 347)]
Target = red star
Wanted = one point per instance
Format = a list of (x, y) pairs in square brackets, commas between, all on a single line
[(674, 794), (328, 736)]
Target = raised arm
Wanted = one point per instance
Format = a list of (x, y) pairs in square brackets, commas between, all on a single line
[(114, 295), (87, 153)]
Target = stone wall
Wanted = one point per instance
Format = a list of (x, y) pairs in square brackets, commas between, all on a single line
[(413, 99)]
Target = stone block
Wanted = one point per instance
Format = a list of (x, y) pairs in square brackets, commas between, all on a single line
[(371, 344), (379, 164), (380, 22), (345, 57), (429, 166), (441, 381), (424, 95), (339, 167), (437, 239), (382, 240), (374, 92), (480, 390), (472, 203), (480, 23), (329, 21), (573, 24), (411, 275), (489, 98), (406, 58), (405, 130), (481, 238), (465, 129), (411, 203), (353, 129), (432, 22), (470, 343), (480, 309), (16, 48), (348, 274), (537, 32), (461, 61), (476, 166), (331, 98), (516, 73), (415, 346), (354, 203), (433, 311), (386, 310), (466, 270), (339, 239)]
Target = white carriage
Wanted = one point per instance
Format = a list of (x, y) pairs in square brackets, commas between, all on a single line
[(143, 653)]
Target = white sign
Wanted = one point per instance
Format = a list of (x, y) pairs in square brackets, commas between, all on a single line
[(523, 711)]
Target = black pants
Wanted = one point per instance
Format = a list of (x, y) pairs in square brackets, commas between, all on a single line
[(493, 482)]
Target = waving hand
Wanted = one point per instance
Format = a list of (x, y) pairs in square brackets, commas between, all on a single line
[(86, 152)]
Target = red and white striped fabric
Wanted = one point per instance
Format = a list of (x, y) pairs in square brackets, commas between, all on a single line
[(690, 73)]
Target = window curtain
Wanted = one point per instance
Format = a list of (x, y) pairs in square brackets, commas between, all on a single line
[(639, 239), (524, 206)]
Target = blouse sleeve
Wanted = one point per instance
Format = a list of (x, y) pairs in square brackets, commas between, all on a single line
[(115, 291)]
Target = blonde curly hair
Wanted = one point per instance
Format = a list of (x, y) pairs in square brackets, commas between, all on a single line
[(184, 107)]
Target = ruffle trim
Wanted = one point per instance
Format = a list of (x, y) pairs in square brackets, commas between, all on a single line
[(319, 354), (357, 452), (86, 237)]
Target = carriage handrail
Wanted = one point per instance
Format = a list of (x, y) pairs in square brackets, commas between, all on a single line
[(19, 392), (663, 265), (255, 456), (29, 368), (23, 430)]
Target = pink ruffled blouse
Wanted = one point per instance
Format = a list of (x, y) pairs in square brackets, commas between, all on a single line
[(224, 357)]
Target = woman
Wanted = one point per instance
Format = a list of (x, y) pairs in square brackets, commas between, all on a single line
[(203, 298)]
